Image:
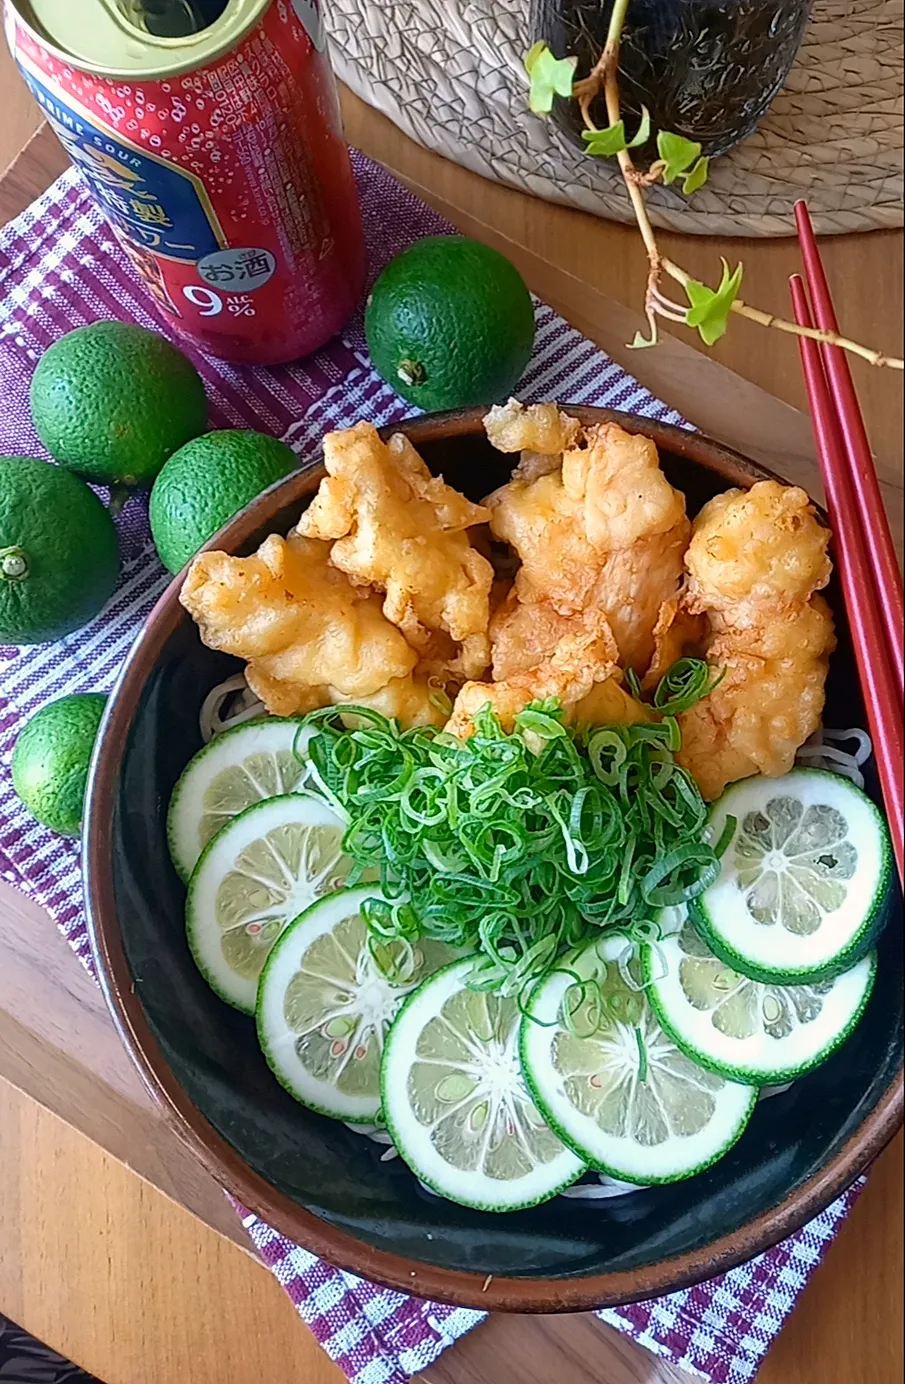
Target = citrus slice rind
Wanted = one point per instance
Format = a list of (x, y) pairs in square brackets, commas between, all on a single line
[(324, 1006), (804, 879), (614, 1084), (745, 1029), (236, 769), (456, 1103), (259, 872)]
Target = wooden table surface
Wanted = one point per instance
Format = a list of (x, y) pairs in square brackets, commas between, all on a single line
[(114, 1247)]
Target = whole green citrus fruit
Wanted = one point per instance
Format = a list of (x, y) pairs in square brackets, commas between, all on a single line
[(59, 559), (450, 324), (208, 481), (112, 401), (51, 758)]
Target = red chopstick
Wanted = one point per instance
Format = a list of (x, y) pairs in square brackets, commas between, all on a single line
[(873, 654), (854, 439)]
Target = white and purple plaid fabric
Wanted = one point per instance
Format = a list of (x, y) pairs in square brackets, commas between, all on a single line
[(59, 269)]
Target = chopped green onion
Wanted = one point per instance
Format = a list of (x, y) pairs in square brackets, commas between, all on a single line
[(516, 847), (726, 836), (580, 995), (686, 682)]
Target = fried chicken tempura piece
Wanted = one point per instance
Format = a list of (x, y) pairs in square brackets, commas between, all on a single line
[(607, 530), (762, 712), (755, 559), (539, 431), (580, 673), (524, 635), (311, 638), (634, 585), (403, 530), (757, 546)]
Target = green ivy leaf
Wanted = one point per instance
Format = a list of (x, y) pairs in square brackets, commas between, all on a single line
[(606, 143), (678, 154), (640, 342), (697, 177), (710, 308), (549, 77), (643, 134)]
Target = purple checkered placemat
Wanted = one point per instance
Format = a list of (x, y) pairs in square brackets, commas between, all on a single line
[(60, 268)]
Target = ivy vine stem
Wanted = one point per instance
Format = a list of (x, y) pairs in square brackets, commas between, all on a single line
[(768, 319), (604, 77)]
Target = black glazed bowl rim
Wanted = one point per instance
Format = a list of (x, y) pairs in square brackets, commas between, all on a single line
[(271, 512)]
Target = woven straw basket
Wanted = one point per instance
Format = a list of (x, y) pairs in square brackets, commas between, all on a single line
[(449, 73)]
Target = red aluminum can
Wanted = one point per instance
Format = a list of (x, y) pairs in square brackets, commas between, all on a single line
[(218, 160)]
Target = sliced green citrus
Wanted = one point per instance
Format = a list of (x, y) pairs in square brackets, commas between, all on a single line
[(259, 872), (260, 759), (613, 1083), (749, 1031), (456, 1103), (326, 999), (804, 879)]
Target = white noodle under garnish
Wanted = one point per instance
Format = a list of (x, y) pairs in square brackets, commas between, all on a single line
[(822, 752), (865, 744), (233, 690), (379, 1136), (604, 1189)]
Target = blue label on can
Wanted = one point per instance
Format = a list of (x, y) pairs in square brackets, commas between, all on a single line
[(157, 206)]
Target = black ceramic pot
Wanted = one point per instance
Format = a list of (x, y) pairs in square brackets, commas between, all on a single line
[(705, 69)]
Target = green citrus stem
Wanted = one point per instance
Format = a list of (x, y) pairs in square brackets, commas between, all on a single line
[(119, 495), (411, 372), (13, 564)]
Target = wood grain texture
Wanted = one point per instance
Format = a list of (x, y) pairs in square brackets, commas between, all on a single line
[(104, 1267), (21, 116), (98, 1253)]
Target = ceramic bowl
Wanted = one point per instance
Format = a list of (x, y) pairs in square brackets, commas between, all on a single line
[(325, 1186)]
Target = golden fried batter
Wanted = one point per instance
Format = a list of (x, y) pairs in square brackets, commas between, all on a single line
[(381, 597), (526, 635), (677, 634), (311, 638), (579, 671), (605, 530), (762, 545), (539, 430), (756, 720), (755, 559), (395, 526)]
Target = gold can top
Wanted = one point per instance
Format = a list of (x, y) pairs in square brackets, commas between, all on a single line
[(139, 38)]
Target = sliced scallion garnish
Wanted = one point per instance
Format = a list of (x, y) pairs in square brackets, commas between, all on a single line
[(518, 846)]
